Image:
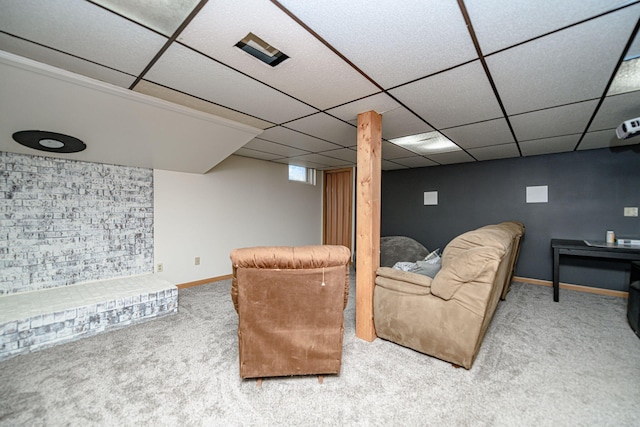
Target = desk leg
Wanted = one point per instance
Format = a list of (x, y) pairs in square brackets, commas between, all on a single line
[(556, 275)]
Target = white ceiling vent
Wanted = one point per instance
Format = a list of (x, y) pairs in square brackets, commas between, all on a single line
[(261, 50)]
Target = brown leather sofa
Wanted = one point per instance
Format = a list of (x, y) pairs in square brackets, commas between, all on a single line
[(290, 303), (448, 316)]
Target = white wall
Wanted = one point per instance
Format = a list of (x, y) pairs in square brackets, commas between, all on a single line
[(241, 202)]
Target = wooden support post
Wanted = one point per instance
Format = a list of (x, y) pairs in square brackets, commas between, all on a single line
[(368, 179)]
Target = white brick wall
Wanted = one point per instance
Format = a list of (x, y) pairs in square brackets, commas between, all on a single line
[(65, 221), (46, 330)]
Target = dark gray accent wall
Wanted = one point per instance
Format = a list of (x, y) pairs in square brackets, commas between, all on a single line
[(587, 193)]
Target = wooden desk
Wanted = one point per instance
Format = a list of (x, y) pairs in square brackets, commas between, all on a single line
[(580, 248)]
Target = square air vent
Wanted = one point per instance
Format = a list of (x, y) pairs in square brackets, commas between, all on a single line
[(261, 50)]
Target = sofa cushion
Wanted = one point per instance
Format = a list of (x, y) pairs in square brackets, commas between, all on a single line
[(463, 268), (404, 276), (401, 286), (494, 237)]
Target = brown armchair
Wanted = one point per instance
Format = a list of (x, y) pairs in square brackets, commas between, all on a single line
[(290, 303)]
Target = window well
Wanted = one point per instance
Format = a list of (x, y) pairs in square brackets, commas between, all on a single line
[(261, 50)]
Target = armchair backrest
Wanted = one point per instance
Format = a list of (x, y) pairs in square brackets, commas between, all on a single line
[(290, 303)]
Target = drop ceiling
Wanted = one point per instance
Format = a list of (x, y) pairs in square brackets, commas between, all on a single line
[(500, 78)]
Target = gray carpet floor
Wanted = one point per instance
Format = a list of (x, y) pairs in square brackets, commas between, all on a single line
[(572, 363)]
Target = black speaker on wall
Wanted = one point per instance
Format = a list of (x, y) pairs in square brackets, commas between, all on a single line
[(633, 307)]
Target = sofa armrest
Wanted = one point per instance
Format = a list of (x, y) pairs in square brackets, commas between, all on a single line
[(405, 276), (403, 281), (402, 287)]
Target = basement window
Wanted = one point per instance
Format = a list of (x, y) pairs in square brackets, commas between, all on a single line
[(302, 174)]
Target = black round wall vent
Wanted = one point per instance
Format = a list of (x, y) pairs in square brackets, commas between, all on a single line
[(49, 141)]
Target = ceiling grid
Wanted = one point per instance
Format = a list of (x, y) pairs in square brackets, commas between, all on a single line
[(500, 79)]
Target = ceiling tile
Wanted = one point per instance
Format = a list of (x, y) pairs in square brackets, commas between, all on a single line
[(82, 29), (190, 72), (381, 103), (615, 110), (402, 122), (152, 89), (64, 61), (415, 162), (605, 139), (346, 154), (256, 154), (569, 66), (304, 162), (627, 78), (280, 150), (392, 151), (220, 25), (389, 166), (163, 16), (451, 157), (559, 144), (634, 49), (388, 40), (502, 23), (482, 134), (493, 152), (296, 139), (456, 97), (557, 121), (325, 161), (328, 128)]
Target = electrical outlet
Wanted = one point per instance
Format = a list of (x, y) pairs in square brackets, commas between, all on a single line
[(630, 211), (159, 267), (197, 260)]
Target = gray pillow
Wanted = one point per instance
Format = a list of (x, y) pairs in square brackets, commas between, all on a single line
[(427, 269)]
